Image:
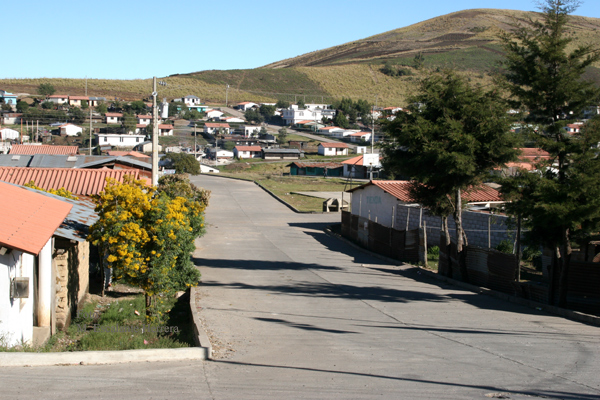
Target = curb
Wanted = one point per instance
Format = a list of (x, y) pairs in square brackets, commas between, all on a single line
[(200, 336), (558, 311), (11, 359)]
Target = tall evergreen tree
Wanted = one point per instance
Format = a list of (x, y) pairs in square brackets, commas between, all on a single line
[(545, 79), (452, 137)]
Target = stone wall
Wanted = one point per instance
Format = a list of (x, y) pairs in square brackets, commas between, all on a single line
[(71, 263), (475, 225)]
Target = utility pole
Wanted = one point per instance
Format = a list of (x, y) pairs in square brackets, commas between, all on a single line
[(154, 135), (373, 124), (226, 93), (195, 155), (90, 139)]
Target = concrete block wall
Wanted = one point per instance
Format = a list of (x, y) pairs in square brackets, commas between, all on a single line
[(475, 225)]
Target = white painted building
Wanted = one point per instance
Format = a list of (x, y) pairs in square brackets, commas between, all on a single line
[(58, 99), (251, 131), (293, 115), (114, 118), (213, 114), (246, 105), (233, 120), (8, 134), (70, 130), (144, 119), (120, 140), (331, 130), (165, 130), (214, 127), (333, 149), (190, 101)]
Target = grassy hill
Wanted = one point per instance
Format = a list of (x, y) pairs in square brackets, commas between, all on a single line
[(465, 40)]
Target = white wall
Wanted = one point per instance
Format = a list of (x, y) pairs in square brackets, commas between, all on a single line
[(120, 140), (16, 315)]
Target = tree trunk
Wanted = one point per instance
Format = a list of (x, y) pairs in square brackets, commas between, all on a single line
[(448, 270), (563, 280), (148, 306), (462, 265)]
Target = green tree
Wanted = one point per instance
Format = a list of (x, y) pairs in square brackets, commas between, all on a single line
[(183, 163), (177, 107), (85, 104), (419, 60), (282, 104), (341, 120), (148, 237), (254, 116), (267, 111), (46, 89), (22, 106), (300, 103), (129, 122), (47, 105), (282, 137), (560, 204), (452, 137), (76, 115), (102, 108), (229, 145)]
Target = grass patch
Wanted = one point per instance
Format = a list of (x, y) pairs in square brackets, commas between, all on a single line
[(121, 325)]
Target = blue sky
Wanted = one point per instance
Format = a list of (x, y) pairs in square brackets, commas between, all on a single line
[(132, 39)]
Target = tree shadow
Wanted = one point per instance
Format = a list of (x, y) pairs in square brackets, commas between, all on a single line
[(306, 327), (259, 265)]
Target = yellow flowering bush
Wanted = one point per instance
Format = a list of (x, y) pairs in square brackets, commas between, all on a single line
[(148, 236)]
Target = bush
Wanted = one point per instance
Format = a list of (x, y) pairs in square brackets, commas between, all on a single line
[(433, 253), (505, 246)]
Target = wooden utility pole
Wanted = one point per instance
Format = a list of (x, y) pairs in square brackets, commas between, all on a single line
[(154, 135), (90, 138)]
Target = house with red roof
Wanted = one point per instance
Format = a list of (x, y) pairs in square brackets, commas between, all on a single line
[(362, 166), (165, 130), (58, 99), (27, 280), (78, 100), (144, 119), (214, 127), (333, 149), (247, 152), (245, 105), (29, 149), (114, 118)]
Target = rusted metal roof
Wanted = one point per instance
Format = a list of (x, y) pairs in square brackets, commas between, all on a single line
[(401, 191), (28, 219), (77, 224), (334, 145), (25, 149), (83, 182)]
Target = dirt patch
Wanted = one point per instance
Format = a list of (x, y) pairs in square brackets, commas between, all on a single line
[(114, 293)]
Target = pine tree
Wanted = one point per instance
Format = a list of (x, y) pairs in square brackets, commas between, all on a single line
[(545, 79)]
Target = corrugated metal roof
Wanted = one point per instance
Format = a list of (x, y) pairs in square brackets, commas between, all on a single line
[(123, 160), (358, 160), (334, 145), (81, 217), (14, 160), (83, 182), (287, 151), (317, 164), (56, 161), (127, 153), (248, 148), (43, 149), (401, 191), (28, 219)]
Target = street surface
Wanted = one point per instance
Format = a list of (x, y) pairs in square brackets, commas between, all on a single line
[(294, 313)]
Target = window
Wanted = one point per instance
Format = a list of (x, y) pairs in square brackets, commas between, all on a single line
[(137, 139), (105, 139), (120, 139)]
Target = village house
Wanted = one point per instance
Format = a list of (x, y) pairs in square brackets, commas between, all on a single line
[(9, 118), (114, 118), (95, 101), (69, 130), (246, 105), (76, 101), (190, 101), (165, 130), (330, 130), (8, 98), (316, 168), (144, 119), (333, 149), (120, 140), (362, 166), (26, 273), (293, 115), (282, 154), (26, 149), (58, 99), (211, 114), (247, 151), (9, 134), (251, 131), (213, 128)]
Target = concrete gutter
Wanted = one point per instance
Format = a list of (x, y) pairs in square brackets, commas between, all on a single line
[(202, 352), (19, 359), (558, 311)]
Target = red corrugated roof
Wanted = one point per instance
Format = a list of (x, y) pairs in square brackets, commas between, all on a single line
[(58, 96), (29, 219), (113, 115), (401, 191), (144, 116), (248, 148), (334, 145), (27, 150), (533, 153), (165, 126), (78, 98), (358, 160), (83, 182), (216, 125)]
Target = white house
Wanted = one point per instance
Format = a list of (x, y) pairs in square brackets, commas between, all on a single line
[(219, 154), (213, 114), (190, 100), (58, 99), (250, 130), (247, 152), (293, 115), (360, 137), (333, 149), (213, 127), (330, 130), (114, 118), (27, 279), (233, 120), (11, 118), (144, 119), (165, 130), (246, 105), (120, 140), (70, 130), (146, 147), (8, 134), (77, 100)]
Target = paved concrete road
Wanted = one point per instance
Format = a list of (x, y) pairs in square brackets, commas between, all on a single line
[(298, 314)]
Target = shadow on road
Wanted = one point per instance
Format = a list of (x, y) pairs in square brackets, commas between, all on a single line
[(494, 389)]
